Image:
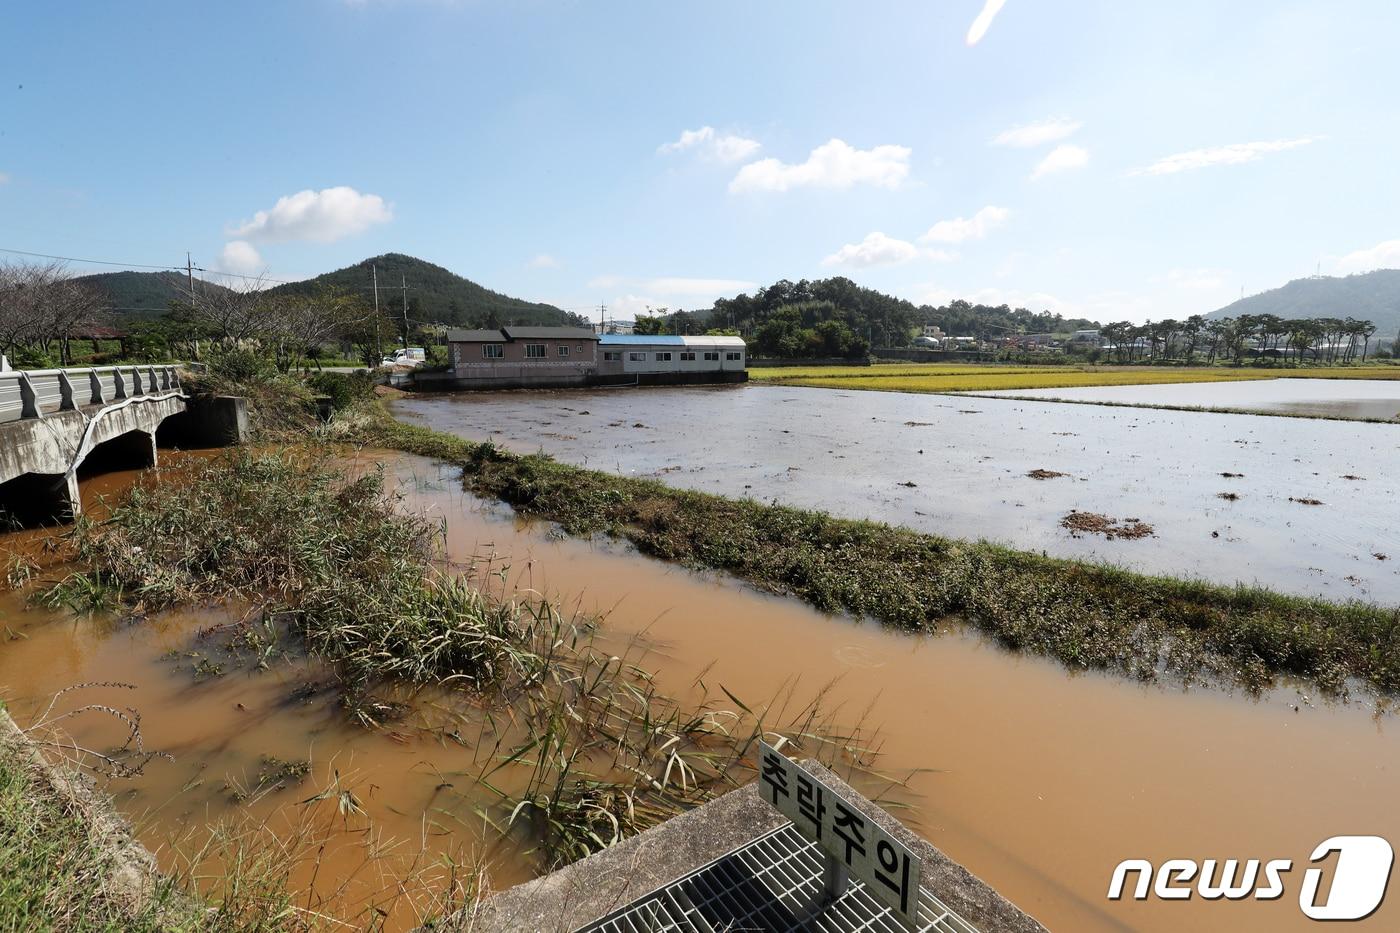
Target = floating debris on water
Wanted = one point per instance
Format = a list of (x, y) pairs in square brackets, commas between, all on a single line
[(1081, 523)]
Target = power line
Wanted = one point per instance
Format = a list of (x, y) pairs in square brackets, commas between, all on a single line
[(95, 262), (144, 265)]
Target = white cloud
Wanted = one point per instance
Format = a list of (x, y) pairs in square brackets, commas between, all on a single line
[(671, 286), (684, 286), (4, 178), (1038, 133), (1196, 279), (875, 250), (543, 261), (241, 258), (834, 164), (1385, 255), (322, 216), (1060, 159), (983, 22), (636, 295), (1235, 154), (961, 229), (710, 144)]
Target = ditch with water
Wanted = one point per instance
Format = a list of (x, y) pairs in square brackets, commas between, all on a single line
[(1035, 779)]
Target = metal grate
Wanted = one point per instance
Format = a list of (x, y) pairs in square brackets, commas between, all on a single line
[(768, 885)]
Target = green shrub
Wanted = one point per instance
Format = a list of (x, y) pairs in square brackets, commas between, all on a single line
[(240, 364), (343, 389)]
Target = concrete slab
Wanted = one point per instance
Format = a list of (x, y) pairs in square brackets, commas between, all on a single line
[(588, 890)]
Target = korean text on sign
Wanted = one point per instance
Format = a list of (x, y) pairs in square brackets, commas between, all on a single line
[(889, 868)]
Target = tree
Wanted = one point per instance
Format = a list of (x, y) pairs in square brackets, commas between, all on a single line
[(236, 313), (650, 324), (41, 305), (297, 323)]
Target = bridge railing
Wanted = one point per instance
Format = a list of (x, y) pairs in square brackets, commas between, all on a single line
[(34, 393)]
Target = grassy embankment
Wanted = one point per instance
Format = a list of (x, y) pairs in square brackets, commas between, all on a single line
[(62, 869), (967, 377), (1085, 615)]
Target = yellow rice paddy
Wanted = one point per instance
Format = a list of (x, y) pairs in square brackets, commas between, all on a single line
[(967, 377)]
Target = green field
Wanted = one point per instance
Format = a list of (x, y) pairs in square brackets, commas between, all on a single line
[(966, 377)]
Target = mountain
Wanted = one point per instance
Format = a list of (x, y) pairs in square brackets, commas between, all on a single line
[(143, 294), (434, 294), (1370, 296)]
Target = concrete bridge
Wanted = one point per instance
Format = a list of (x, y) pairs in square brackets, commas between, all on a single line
[(56, 422)]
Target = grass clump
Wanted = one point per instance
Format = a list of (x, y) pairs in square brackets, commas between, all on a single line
[(326, 556)]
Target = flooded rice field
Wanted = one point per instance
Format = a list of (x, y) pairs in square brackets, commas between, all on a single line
[(1310, 507), (1036, 780), (1326, 398)]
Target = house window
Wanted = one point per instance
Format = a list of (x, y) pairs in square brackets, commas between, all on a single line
[(534, 351), (663, 357), (563, 351), (687, 357), (493, 351), (612, 356), (733, 356), (637, 357), (712, 356)]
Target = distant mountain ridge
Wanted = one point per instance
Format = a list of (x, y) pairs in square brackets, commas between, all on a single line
[(1369, 296), (434, 294), (143, 294)]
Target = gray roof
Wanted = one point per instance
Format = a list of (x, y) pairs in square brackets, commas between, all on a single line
[(549, 333), (474, 336)]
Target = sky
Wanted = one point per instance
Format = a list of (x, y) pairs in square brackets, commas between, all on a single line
[(1116, 160)]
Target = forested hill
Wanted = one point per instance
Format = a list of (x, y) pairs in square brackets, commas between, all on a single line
[(142, 294), (1371, 296), (883, 319), (434, 294)]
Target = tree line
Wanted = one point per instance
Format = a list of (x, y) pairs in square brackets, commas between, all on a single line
[(1328, 339), (43, 308)]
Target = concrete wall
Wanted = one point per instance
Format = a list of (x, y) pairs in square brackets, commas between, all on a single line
[(589, 890), (448, 382)]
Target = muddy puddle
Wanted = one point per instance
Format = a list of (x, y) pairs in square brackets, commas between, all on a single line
[(961, 467), (1327, 398), (1036, 780)]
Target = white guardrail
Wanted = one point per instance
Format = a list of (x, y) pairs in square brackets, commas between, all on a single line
[(34, 393)]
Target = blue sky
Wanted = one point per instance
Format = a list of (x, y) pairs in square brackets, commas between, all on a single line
[(1115, 159)]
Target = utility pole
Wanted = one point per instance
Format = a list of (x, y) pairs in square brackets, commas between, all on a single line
[(189, 276), (403, 283), (374, 275)]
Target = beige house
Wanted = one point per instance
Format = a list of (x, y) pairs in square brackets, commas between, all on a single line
[(524, 354)]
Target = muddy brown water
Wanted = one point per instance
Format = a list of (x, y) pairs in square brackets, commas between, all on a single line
[(1036, 780), (958, 466)]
